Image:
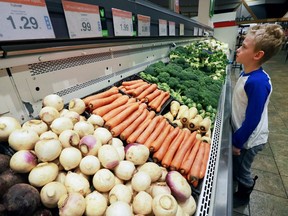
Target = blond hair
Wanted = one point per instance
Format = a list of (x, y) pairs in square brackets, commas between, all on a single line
[(268, 38)]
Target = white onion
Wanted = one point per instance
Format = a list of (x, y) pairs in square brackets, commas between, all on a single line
[(48, 150), (103, 134), (103, 180), (48, 135), (60, 124), (71, 204), (42, 174), (23, 139), (23, 161), (84, 128), (51, 193), (70, 158), (38, 126), (77, 183), (7, 126), (96, 204), (48, 114), (69, 138), (89, 165), (96, 120), (53, 100), (77, 105)]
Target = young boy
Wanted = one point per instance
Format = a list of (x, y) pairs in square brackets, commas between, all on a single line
[(250, 104)]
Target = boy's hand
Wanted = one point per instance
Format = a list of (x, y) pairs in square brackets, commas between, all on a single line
[(236, 151)]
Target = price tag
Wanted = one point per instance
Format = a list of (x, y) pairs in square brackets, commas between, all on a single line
[(181, 30), (171, 28), (83, 20), (200, 33), (122, 21), (143, 25), (195, 31), (162, 27), (24, 19)]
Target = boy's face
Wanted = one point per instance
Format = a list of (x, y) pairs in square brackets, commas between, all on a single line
[(246, 53)]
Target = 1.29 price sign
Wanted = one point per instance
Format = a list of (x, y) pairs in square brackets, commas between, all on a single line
[(83, 20), (24, 19)]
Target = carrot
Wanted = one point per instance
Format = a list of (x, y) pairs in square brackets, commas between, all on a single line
[(132, 138), (117, 110), (147, 91), (107, 93), (160, 153), (157, 101), (101, 111), (159, 127), (158, 109), (136, 85), (129, 130), (131, 82), (115, 131), (205, 160), (155, 145), (137, 91), (150, 128), (166, 161), (151, 96), (103, 101), (187, 162), (184, 147), (121, 116), (194, 172)]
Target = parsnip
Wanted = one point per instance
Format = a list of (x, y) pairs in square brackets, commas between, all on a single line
[(174, 108), (194, 124), (178, 123), (169, 116), (182, 109), (185, 117), (192, 112), (205, 124)]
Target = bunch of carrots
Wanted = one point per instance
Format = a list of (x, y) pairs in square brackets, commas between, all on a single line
[(128, 118)]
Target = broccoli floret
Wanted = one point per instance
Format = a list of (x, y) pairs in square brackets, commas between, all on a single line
[(173, 82), (192, 93), (163, 77)]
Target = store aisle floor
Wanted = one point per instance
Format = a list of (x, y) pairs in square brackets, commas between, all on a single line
[(270, 195)]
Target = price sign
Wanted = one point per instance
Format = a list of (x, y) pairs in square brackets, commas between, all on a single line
[(171, 28), (195, 31), (162, 27), (83, 20), (24, 19), (200, 33), (181, 30), (143, 25), (122, 21)]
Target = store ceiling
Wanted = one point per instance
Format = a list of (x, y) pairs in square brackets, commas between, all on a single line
[(262, 9)]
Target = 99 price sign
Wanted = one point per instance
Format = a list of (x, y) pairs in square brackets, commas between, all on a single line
[(24, 20)]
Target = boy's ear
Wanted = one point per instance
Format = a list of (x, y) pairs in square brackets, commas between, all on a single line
[(259, 55)]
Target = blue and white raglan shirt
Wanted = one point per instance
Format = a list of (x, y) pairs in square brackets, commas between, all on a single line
[(250, 109)]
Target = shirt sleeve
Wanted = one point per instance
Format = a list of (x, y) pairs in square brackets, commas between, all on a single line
[(257, 93)]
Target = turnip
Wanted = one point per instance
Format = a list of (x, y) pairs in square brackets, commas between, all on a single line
[(84, 128), (119, 208), (152, 169), (180, 212), (103, 180), (23, 139), (71, 204), (120, 192), (124, 170), (96, 204), (108, 156), (48, 150), (164, 205), (61, 177), (142, 203), (77, 105), (42, 174), (103, 134), (89, 145), (74, 116), (96, 121), (53, 100), (48, 114), (179, 186), (158, 188), (189, 206), (60, 124), (69, 138), (77, 183), (51, 193), (48, 135), (116, 142), (141, 181), (7, 126), (21, 199), (70, 158), (136, 153), (38, 126), (89, 165), (23, 161)]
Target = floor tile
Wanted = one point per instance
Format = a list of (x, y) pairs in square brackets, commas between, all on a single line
[(282, 162), (265, 163), (285, 182), (267, 150)]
